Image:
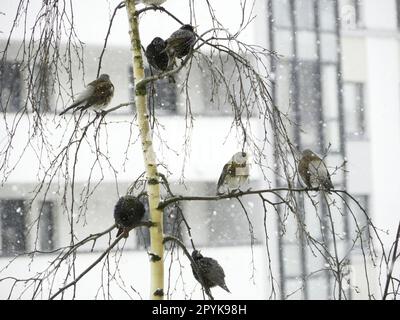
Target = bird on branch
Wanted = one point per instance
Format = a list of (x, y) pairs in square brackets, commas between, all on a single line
[(211, 272), (128, 212), (234, 174), (97, 95), (156, 54), (180, 42), (314, 172)]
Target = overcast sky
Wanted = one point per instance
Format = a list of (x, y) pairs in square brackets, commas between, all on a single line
[(91, 19)]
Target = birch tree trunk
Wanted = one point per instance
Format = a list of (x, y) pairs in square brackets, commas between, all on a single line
[(153, 186)]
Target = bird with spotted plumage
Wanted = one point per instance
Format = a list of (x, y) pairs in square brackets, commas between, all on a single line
[(235, 173), (313, 171), (128, 213), (180, 42), (156, 54), (97, 95), (211, 272)]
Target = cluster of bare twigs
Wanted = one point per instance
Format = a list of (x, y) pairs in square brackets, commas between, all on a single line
[(243, 88)]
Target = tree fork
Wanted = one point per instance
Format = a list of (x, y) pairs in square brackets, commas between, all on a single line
[(153, 188)]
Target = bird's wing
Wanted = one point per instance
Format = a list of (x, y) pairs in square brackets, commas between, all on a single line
[(318, 172), (103, 89), (304, 172), (179, 38), (213, 272), (225, 171), (102, 93)]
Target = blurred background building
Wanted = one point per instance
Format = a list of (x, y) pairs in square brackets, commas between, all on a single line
[(337, 75)]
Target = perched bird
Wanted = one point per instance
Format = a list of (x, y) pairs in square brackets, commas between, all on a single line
[(235, 173), (128, 212), (151, 2), (97, 94), (180, 42), (211, 272), (156, 54), (313, 171)]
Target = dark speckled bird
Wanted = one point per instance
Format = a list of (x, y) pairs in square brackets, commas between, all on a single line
[(156, 54), (210, 270), (181, 42), (128, 212), (97, 95), (313, 171)]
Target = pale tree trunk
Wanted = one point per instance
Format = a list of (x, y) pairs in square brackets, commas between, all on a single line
[(153, 186)]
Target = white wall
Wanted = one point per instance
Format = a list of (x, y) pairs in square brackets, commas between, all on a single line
[(383, 101)]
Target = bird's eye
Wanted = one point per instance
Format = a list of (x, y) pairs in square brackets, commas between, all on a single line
[(243, 154)]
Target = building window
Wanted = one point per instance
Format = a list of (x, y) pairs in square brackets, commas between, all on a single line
[(12, 213), (307, 73), (281, 11), (354, 107), (41, 97), (361, 230), (171, 225), (161, 94), (351, 14), (227, 223), (10, 87), (220, 92), (304, 13), (398, 13), (327, 17), (46, 226)]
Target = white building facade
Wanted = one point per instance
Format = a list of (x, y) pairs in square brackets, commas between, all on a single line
[(341, 80)]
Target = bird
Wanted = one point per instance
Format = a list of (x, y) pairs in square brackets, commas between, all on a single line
[(235, 173), (211, 272), (180, 42), (156, 54), (97, 94), (151, 2), (313, 171), (128, 212)]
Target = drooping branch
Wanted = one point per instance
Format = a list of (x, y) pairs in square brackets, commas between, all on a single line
[(75, 281), (395, 257), (238, 194)]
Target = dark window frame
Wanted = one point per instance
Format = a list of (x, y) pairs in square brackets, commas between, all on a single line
[(359, 108), (47, 226), (156, 95), (10, 79), (13, 226)]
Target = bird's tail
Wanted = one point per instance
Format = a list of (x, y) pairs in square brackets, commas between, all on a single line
[(120, 230), (225, 288), (70, 107)]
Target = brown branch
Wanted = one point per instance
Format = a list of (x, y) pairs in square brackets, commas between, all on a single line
[(159, 8), (236, 195), (119, 6)]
